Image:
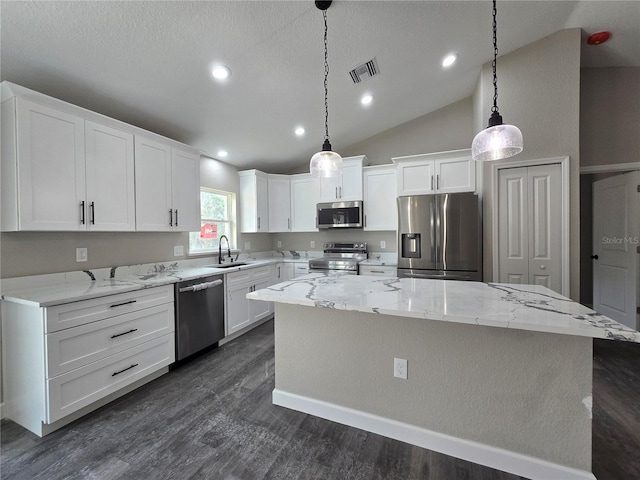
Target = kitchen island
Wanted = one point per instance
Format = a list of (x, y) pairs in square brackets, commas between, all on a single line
[(496, 374)]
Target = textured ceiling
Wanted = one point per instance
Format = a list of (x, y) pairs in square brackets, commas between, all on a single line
[(147, 63)]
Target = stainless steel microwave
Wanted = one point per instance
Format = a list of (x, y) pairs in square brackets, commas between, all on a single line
[(339, 215)]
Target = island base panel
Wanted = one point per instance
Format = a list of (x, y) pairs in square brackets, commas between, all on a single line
[(523, 392)]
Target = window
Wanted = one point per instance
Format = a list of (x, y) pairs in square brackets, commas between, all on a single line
[(217, 218)]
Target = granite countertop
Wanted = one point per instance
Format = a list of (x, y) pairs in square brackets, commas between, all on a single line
[(81, 287), (522, 307)]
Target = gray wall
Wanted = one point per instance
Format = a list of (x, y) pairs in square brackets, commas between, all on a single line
[(609, 116), (454, 386), (539, 91)]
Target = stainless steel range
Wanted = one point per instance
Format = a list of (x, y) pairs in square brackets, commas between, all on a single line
[(340, 257)]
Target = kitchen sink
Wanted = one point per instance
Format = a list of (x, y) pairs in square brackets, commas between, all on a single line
[(227, 265)]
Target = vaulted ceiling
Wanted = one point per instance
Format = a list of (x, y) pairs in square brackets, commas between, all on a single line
[(148, 63)]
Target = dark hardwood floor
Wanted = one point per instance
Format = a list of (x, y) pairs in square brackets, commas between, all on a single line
[(212, 418)]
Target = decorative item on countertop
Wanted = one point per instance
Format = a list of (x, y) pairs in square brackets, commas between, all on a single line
[(325, 163), (498, 140)]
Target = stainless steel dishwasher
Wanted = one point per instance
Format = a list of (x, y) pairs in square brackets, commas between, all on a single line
[(199, 314)]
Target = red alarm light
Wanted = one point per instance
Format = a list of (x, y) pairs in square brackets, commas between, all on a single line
[(598, 38)]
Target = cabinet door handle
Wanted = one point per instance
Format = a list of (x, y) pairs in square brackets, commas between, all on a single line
[(437, 182), (125, 333), (376, 271), (431, 182), (128, 368), (171, 217), (278, 271), (82, 212), (176, 217), (288, 224), (365, 220), (258, 223), (121, 304), (92, 206), (340, 190), (337, 193)]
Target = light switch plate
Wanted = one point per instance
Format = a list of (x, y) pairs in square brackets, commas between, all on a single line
[(383, 244), (279, 244), (313, 243), (178, 251), (82, 254)]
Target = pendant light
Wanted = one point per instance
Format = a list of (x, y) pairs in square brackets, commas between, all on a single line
[(325, 163), (497, 140)]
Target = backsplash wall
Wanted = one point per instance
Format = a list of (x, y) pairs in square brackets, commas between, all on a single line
[(301, 242)]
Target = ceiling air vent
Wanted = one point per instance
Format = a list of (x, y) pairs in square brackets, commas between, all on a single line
[(365, 71)]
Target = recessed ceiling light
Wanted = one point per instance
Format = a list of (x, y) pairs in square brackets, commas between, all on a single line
[(299, 131), (366, 99), (449, 60), (222, 153), (220, 72)]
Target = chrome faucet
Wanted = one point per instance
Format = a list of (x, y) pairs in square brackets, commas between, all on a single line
[(220, 248)]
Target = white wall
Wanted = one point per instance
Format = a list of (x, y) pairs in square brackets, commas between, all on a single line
[(539, 91)]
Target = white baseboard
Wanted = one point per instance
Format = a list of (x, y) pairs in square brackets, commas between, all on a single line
[(493, 457)]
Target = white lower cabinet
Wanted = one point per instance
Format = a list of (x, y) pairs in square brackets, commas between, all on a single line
[(239, 311), (380, 270), (53, 369), (284, 272)]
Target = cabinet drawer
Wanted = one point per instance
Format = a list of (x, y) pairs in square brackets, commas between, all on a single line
[(237, 278), (385, 271), (81, 387), (75, 347), (259, 273), (73, 314)]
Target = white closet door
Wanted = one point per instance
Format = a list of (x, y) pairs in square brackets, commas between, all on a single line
[(616, 242), (530, 226), (545, 226), (513, 243)]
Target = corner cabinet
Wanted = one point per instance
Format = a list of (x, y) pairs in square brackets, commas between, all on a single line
[(380, 198), (61, 172), (167, 184), (346, 187), (443, 172), (254, 201), (62, 361)]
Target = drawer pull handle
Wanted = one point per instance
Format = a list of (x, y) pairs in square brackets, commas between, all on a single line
[(125, 333), (377, 271), (128, 368), (121, 304)]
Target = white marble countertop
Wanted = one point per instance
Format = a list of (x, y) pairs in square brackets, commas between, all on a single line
[(523, 307)]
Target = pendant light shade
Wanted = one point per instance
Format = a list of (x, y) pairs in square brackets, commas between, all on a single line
[(325, 163), (498, 140)]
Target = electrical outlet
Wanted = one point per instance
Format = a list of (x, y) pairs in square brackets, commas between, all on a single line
[(400, 368), (312, 243), (383, 244), (279, 244), (178, 251), (247, 245), (82, 254)]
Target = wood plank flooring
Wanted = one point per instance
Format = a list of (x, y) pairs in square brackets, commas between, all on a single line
[(213, 418)]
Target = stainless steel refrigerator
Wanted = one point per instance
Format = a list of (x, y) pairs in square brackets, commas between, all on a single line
[(440, 236)]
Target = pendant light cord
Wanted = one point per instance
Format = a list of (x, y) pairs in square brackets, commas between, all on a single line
[(494, 109), (326, 75)]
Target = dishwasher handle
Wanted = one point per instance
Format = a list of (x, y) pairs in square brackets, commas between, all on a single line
[(200, 286)]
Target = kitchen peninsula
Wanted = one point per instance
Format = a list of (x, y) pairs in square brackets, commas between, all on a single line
[(497, 374)]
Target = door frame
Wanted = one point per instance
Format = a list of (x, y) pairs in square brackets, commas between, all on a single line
[(564, 195)]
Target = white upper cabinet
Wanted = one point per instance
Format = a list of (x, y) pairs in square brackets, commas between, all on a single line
[(167, 187), (154, 210), (185, 190), (380, 197), (444, 172), (60, 172), (68, 169), (279, 188), (110, 179), (346, 187), (254, 202), (305, 194)]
